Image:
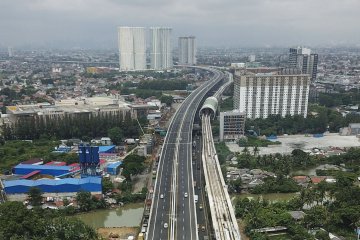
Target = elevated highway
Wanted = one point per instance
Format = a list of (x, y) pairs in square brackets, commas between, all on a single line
[(173, 212)]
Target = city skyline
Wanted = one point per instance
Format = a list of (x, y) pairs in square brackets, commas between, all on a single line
[(65, 23)]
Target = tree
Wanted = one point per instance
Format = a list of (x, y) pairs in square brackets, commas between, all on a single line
[(166, 99), (107, 185), (317, 216), (17, 222), (235, 185), (116, 135), (84, 201), (35, 196)]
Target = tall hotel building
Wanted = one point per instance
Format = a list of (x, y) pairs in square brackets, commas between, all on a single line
[(260, 93), (132, 48), (301, 58), (160, 49), (187, 50)]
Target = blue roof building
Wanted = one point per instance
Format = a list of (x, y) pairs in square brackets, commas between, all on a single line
[(67, 185), (23, 169), (107, 149), (113, 168)]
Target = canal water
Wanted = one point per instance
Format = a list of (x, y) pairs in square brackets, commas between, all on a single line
[(127, 216)]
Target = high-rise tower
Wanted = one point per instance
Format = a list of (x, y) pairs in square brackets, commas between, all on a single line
[(187, 50), (132, 48), (302, 59), (160, 49)]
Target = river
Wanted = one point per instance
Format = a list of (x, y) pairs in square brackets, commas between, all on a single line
[(128, 216)]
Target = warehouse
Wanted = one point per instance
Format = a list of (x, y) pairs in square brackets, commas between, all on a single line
[(18, 189), (113, 168), (23, 169)]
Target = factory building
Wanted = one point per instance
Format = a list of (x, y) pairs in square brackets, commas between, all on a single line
[(18, 189), (23, 169)]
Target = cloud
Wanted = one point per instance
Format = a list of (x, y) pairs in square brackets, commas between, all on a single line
[(92, 23)]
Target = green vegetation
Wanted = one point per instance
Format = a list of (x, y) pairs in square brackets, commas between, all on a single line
[(133, 164), (252, 141), (279, 164), (338, 99), (107, 185), (17, 222), (128, 197), (314, 123), (35, 196), (166, 99), (149, 88), (262, 213), (14, 152), (164, 85), (116, 135), (227, 104), (222, 151), (333, 206), (277, 185), (87, 202), (80, 126)]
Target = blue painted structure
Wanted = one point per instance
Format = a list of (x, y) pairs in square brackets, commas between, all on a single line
[(271, 137), (107, 149), (318, 135), (89, 160), (24, 169), (113, 168), (89, 184)]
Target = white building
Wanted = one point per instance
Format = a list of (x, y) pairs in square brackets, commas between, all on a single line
[(132, 48), (252, 58), (232, 125), (160, 49), (270, 93), (187, 50)]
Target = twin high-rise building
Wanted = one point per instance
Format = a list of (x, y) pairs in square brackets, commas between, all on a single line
[(160, 48), (302, 59), (262, 92), (132, 48), (187, 50)]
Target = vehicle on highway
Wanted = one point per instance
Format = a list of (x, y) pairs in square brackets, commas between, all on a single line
[(200, 206), (161, 196), (186, 194), (203, 228), (165, 225), (196, 198)]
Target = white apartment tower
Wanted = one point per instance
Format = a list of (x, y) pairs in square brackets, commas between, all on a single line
[(262, 94), (160, 49), (187, 50), (132, 48)]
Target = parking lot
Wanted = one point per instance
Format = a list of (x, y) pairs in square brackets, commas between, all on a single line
[(291, 142)]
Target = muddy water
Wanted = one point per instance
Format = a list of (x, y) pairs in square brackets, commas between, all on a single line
[(127, 216)]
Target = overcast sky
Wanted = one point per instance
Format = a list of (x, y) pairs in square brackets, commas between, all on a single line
[(240, 23)]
